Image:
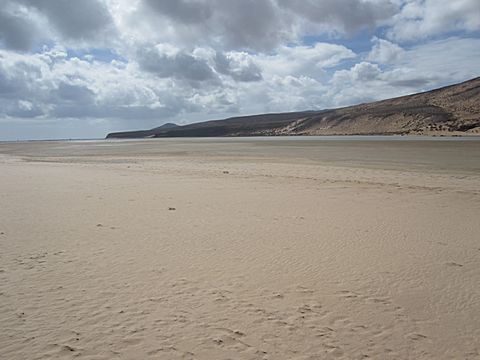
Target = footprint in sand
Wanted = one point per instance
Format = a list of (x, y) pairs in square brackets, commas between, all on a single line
[(347, 294), (454, 264), (416, 336), (68, 348), (304, 309), (230, 338)]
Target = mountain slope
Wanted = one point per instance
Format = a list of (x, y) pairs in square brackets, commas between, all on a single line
[(142, 133), (450, 110)]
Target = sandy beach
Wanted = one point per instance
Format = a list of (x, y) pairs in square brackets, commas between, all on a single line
[(240, 249)]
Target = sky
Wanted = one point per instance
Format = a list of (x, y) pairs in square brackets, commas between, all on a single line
[(81, 69)]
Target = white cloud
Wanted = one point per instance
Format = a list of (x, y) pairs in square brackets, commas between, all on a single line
[(304, 60), (239, 65), (423, 18), (73, 87), (385, 52), (421, 68)]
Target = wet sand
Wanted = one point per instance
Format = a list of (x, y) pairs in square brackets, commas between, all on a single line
[(240, 249)]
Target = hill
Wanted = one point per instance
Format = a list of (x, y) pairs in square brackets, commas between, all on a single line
[(451, 110)]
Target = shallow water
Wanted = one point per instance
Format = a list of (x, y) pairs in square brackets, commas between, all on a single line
[(443, 154)]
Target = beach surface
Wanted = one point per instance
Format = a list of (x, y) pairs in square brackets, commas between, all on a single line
[(284, 248)]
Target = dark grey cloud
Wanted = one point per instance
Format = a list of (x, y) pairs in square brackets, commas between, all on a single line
[(262, 25), (181, 65), (347, 15), (76, 94), (254, 24), (26, 23), (232, 24), (22, 109), (16, 32), (75, 19), (186, 11), (79, 101)]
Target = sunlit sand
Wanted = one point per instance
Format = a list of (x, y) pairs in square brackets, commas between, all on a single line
[(240, 249)]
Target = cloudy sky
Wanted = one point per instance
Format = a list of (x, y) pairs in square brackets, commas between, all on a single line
[(80, 69)]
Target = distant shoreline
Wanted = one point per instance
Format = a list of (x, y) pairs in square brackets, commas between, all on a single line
[(363, 136)]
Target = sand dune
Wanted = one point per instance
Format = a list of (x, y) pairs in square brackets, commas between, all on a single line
[(157, 250)]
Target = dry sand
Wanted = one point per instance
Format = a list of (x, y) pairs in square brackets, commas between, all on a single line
[(240, 249)]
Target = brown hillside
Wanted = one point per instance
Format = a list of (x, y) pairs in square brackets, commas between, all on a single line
[(452, 110)]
